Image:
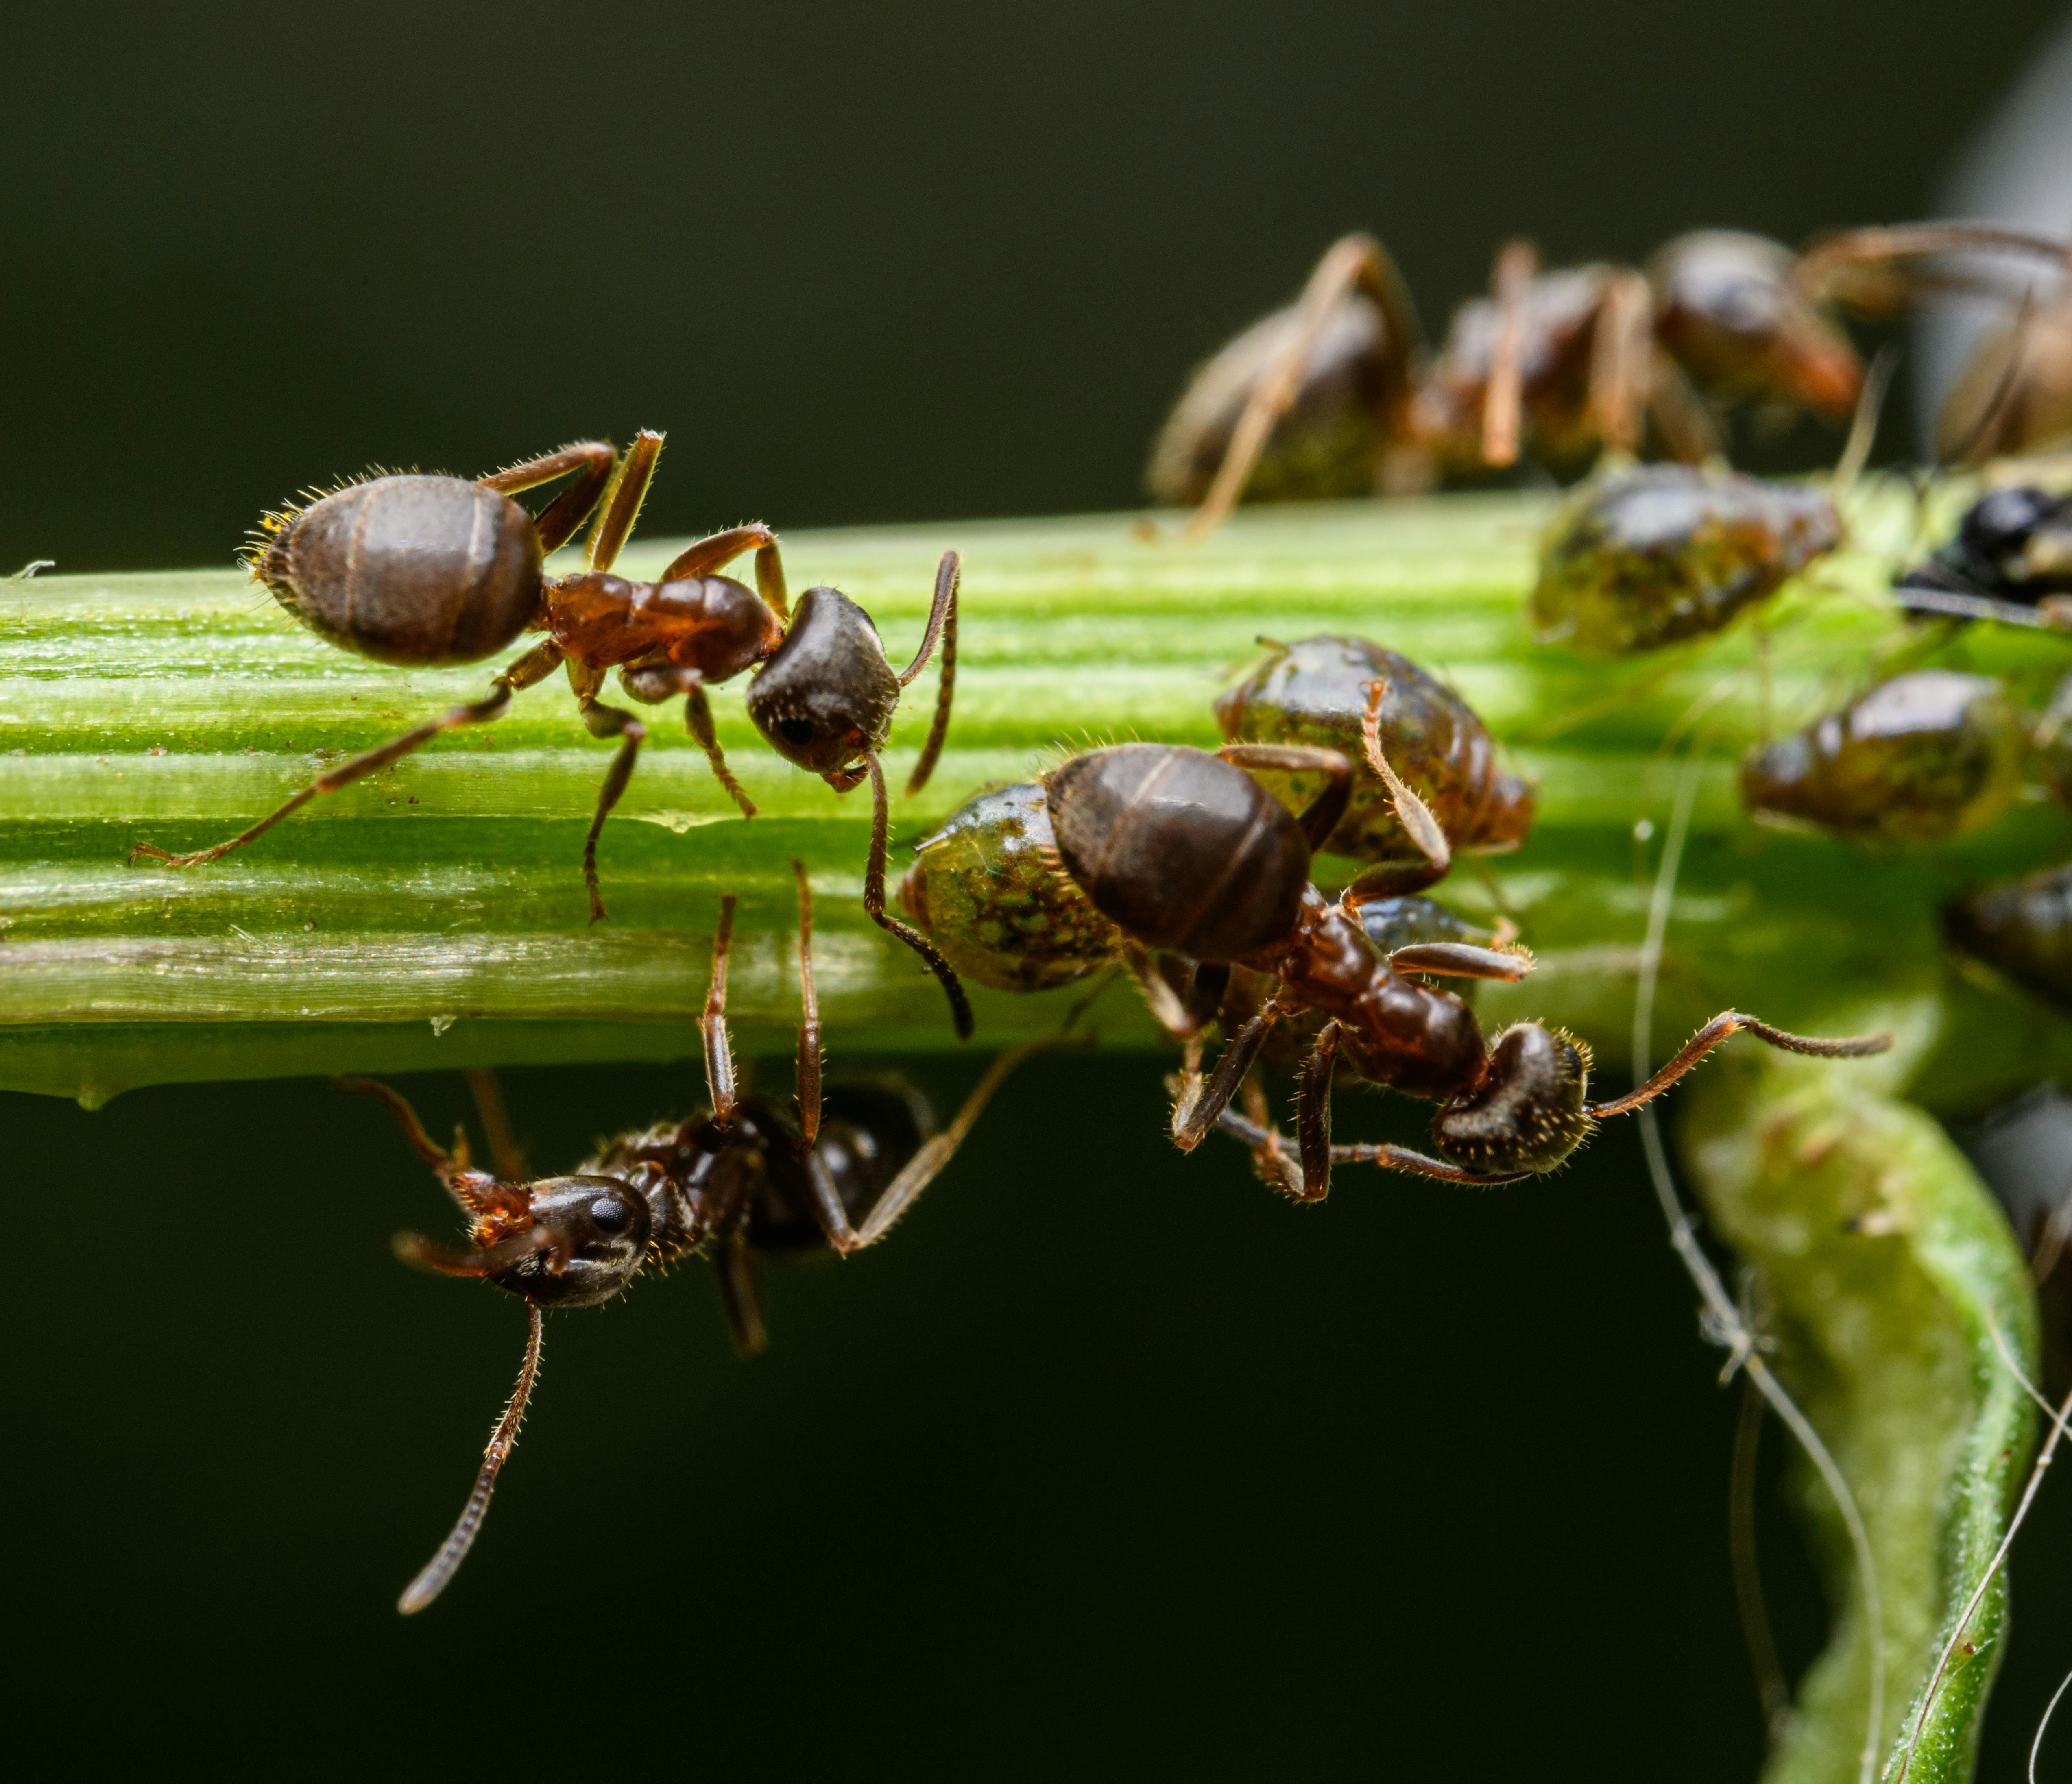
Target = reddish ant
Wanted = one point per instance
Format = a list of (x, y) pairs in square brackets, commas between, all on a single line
[(1333, 395), (421, 571), (1186, 853), (735, 1182)]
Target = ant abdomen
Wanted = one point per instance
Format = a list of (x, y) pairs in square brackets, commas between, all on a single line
[(1644, 558), (1920, 758), (1527, 1114), (1316, 690), (1182, 849), (412, 570), (985, 888)]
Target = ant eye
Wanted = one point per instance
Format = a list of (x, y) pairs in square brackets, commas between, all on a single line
[(797, 732), (608, 1215)]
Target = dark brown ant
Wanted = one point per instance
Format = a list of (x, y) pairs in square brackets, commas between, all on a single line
[(1335, 395), (1187, 853), (735, 1182), (421, 571)]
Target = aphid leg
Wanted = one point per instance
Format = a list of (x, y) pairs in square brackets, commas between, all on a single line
[(1864, 424), (558, 523), (440, 1569), (1412, 812), (1463, 960), (1320, 817), (807, 1072), (622, 506), (1198, 1106), (943, 622), (923, 1167), (652, 683), (474, 1193), (719, 1049), (873, 905), (1166, 1007), (1510, 283), (489, 1104), (1353, 263), (1621, 353), (604, 722), (1733, 1021), (739, 1276), (535, 665)]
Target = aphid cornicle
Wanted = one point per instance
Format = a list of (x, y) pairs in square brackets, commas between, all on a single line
[(1649, 555), (1188, 854), (735, 1182), (1918, 758)]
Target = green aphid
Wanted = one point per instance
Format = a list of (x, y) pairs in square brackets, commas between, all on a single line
[(1918, 758), (987, 890), (1646, 556)]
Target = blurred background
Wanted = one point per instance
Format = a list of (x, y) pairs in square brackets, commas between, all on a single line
[(1106, 1465)]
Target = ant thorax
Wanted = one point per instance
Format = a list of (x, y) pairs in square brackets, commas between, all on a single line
[(710, 623)]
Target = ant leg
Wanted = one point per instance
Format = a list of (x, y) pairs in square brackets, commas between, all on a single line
[(926, 1164), (715, 553), (651, 683), (943, 622), (1517, 266), (1260, 1138), (1320, 817), (1732, 1022), (489, 1104), (806, 1072), (1353, 263), (719, 1049), (1463, 960), (1196, 1111), (1689, 433), (1622, 351), (440, 1569), (556, 526), (604, 722), (534, 666), (740, 1278), (622, 507), (873, 905), (1412, 812), (1312, 1116)]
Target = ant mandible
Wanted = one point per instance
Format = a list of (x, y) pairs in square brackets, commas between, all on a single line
[(1186, 853), (423, 571), (736, 1181)]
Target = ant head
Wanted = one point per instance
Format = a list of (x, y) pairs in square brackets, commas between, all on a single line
[(828, 694), (594, 1233), (1998, 525), (1527, 1114)]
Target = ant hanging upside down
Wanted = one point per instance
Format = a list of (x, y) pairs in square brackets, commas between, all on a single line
[(735, 1182), (423, 572), (1188, 854)]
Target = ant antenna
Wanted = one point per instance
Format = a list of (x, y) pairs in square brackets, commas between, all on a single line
[(942, 623), (1864, 425), (440, 1568), (2035, 1746)]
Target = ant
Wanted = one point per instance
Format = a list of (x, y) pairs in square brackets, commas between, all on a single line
[(735, 1182), (422, 571), (1187, 853), (1334, 395)]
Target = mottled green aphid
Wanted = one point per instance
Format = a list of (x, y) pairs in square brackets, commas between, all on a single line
[(1315, 692), (987, 890), (1643, 557), (2021, 927), (1919, 757)]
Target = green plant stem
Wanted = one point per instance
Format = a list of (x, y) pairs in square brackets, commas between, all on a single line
[(434, 915)]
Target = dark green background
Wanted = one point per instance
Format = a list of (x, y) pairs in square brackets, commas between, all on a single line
[(1110, 1464)]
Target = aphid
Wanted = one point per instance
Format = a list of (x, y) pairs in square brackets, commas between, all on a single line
[(1918, 758), (1326, 692), (1648, 556), (735, 1182), (2010, 559), (2021, 928), (1187, 853)]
